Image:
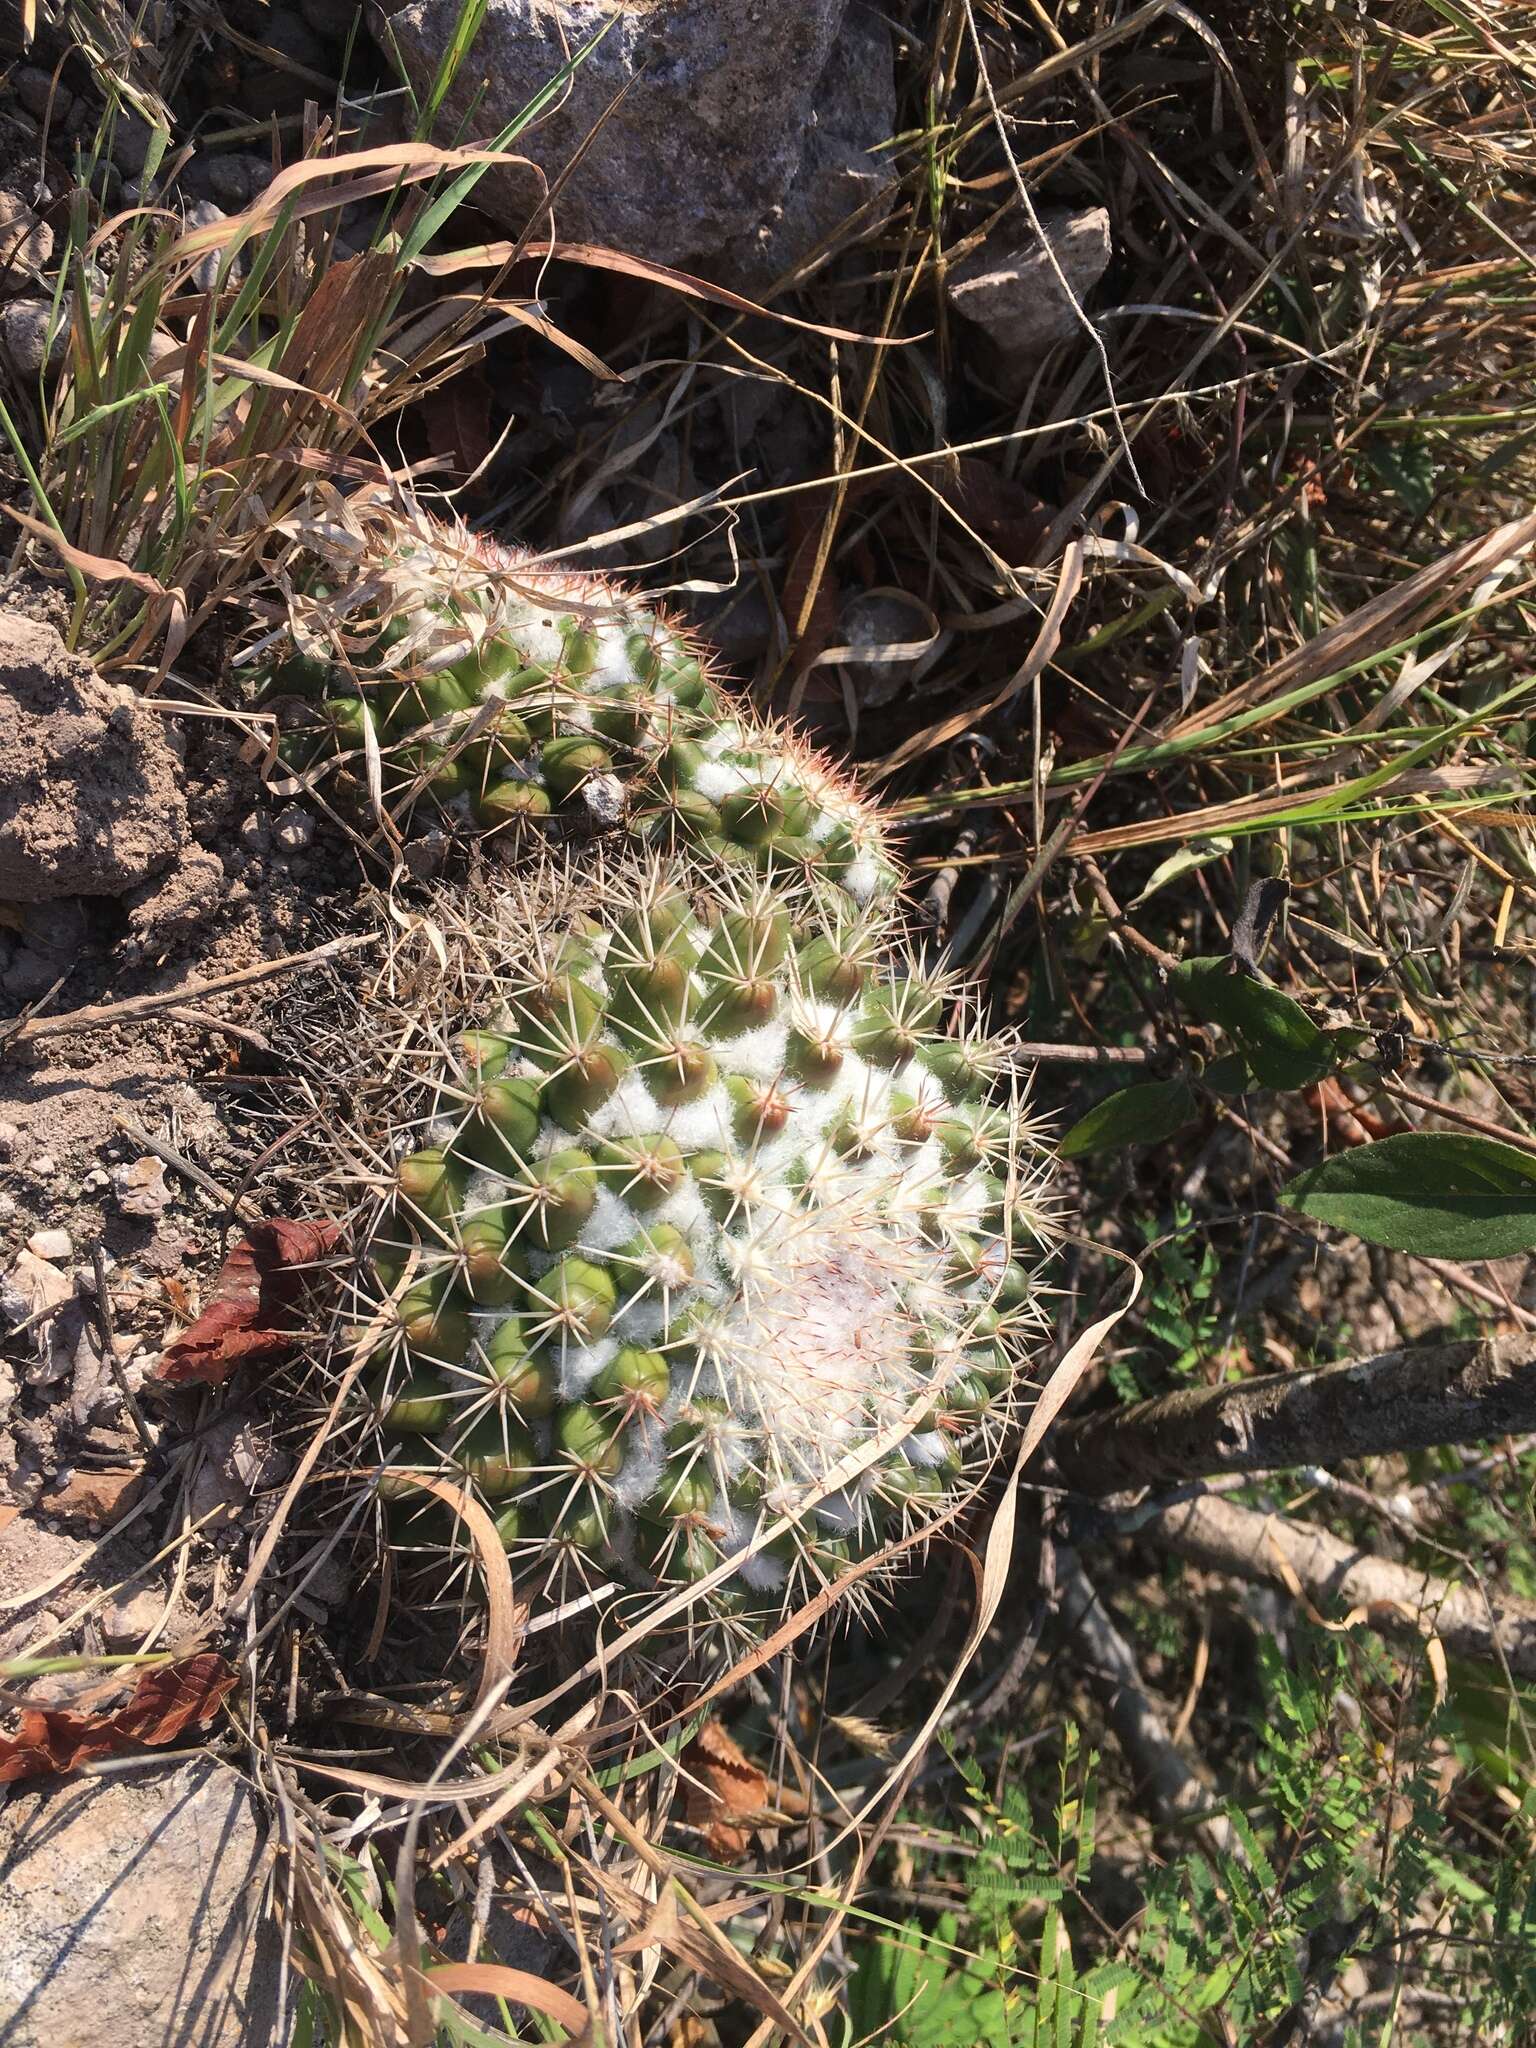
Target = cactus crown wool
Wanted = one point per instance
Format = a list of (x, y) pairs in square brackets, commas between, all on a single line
[(705, 1250), (507, 695)]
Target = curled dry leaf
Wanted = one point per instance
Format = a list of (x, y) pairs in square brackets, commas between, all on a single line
[(52, 1741), (1349, 1121), (725, 1788), (257, 1305)]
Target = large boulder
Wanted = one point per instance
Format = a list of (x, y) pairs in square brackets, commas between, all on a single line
[(730, 135), (131, 1912)]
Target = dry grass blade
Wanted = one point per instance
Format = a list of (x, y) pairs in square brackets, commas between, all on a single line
[(1363, 635), (501, 1981)]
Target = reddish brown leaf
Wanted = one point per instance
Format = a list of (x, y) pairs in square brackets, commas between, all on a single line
[(805, 523), (257, 1303), (1351, 1123), (729, 1789), (166, 1702), (457, 419), (1003, 512)]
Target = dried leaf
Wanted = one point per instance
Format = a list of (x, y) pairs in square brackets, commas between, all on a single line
[(53, 1741), (256, 1306), (726, 1788), (456, 418), (806, 522), (500, 1980), (1002, 511)]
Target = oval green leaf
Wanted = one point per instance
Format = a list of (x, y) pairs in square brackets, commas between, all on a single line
[(1283, 1047), (1139, 1115), (1439, 1194)]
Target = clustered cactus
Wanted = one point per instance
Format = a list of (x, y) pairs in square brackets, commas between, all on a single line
[(508, 695), (705, 1228)]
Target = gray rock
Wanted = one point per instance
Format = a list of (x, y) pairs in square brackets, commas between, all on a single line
[(331, 19), (231, 180), (204, 213), (839, 173), (29, 975), (26, 243), (697, 164), (31, 334), (131, 138), (39, 95), (267, 88), (293, 829), (127, 1620), (58, 928), (426, 855), (131, 1909), (54, 1245), (1011, 290), (237, 1458)]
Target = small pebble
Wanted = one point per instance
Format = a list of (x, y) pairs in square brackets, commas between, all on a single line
[(141, 1188), (255, 833), (10, 1138), (39, 93), (293, 829), (127, 1620), (53, 1245), (44, 1164), (97, 1179)]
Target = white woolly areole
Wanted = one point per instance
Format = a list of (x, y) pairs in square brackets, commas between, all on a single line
[(816, 1348), (580, 1365), (717, 779), (861, 878)]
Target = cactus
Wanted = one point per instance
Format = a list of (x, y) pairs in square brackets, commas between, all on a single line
[(705, 1252), (508, 695)]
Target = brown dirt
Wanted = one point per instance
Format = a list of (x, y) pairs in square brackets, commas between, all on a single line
[(92, 804), (154, 835)]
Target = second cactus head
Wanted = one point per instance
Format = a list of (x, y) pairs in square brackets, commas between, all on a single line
[(518, 698)]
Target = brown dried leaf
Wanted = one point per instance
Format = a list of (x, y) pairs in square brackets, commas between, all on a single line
[(805, 525), (1002, 511), (500, 1980), (52, 1741), (727, 1788), (456, 418), (256, 1306)]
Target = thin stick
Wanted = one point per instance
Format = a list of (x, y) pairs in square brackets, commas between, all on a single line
[(109, 1352), (99, 1016), (184, 1166), (1312, 1564), (1396, 1401), (1176, 1793), (1080, 1055)]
